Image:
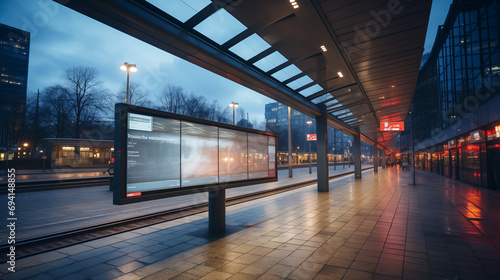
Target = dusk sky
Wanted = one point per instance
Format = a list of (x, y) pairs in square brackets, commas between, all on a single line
[(62, 38)]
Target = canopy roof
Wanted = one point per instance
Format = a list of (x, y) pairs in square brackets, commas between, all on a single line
[(360, 59)]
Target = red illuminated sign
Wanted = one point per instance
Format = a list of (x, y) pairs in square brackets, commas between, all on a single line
[(392, 126), (134, 194), (312, 137)]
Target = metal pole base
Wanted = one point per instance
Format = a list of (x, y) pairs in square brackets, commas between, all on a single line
[(217, 211)]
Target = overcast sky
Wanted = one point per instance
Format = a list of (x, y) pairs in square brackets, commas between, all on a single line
[(61, 38)]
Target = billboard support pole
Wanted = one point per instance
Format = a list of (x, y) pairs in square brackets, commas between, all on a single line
[(217, 211)]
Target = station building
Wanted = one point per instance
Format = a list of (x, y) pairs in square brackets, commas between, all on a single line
[(78, 153), (456, 121)]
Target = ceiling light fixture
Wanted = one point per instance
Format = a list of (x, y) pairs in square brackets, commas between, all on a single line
[(323, 48), (294, 4), (340, 74)]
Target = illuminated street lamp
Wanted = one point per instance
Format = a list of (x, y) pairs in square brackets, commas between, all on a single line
[(234, 105), (309, 122), (129, 68)]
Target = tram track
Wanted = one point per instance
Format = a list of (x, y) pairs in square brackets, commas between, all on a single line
[(48, 185), (41, 244)]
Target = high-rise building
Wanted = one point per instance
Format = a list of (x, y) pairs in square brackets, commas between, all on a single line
[(276, 115), (14, 56)]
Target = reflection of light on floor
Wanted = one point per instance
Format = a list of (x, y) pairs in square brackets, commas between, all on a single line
[(473, 213)]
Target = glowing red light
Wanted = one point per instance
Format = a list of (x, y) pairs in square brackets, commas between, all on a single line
[(134, 194)]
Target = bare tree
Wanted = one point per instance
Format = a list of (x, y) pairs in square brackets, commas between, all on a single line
[(175, 100), (137, 95), (171, 99), (84, 93), (56, 111), (219, 113)]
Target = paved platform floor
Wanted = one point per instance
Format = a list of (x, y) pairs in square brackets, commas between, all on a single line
[(47, 212), (380, 227)]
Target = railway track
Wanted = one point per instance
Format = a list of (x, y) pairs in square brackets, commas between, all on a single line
[(32, 246), (47, 185)]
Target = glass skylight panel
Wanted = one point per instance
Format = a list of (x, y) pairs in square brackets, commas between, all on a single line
[(345, 115), (250, 47), (220, 27), (320, 98), (286, 73), (333, 102), (181, 9), (269, 62), (300, 82), (336, 106), (311, 90), (341, 112)]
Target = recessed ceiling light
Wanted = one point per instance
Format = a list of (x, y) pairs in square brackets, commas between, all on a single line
[(323, 48), (294, 4), (393, 86), (340, 74), (381, 97)]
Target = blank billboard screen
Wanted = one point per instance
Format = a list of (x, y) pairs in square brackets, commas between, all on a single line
[(153, 153), (199, 154), (258, 161), (271, 149), (233, 151), (162, 154)]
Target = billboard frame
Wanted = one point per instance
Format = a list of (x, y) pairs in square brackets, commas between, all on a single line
[(120, 166)]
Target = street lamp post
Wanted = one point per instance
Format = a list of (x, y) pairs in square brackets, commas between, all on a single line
[(309, 122), (129, 68), (234, 105)]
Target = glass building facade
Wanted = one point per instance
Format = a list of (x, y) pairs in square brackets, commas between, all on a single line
[(14, 56), (339, 144), (468, 62), (455, 112)]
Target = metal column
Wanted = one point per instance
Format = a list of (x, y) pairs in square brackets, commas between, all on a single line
[(357, 156), (384, 159), (322, 150), (375, 157), (217, 211), (290, 159)]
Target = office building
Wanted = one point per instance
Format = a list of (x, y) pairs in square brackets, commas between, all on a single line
[(14, 58)]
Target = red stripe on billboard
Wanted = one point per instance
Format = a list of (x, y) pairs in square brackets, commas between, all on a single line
[(134, 194)]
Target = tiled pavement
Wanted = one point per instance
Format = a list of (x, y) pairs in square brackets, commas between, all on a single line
[(47, 212), (380, 227)]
